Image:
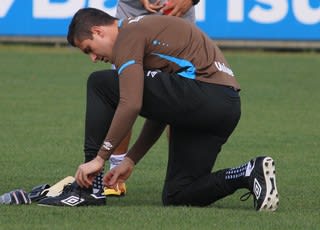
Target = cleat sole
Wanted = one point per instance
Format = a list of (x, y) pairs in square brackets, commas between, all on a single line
[(271, 200)]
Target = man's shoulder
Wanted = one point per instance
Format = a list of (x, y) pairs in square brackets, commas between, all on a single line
[(150, 24), (140, 25), (131, 28), (150, 20)]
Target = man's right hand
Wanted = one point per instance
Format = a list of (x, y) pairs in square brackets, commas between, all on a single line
[(87, 172)]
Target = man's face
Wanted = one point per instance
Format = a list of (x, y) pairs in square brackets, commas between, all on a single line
[(99, 48)]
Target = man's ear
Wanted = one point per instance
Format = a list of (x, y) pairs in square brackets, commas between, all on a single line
[(97, 30)]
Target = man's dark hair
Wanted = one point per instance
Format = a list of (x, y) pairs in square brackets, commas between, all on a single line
[(84, 20)]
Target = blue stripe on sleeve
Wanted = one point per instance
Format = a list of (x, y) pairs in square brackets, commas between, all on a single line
[(125, 65)]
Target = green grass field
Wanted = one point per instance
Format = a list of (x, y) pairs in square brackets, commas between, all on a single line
[(42, 94)]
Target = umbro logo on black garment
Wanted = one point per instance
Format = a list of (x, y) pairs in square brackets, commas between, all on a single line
[(152, 73)]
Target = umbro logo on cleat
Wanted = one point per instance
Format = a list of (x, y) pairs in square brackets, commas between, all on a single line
[(72, 200), (256, 188)]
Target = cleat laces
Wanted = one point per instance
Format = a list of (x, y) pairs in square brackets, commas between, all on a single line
[(245, 196), (69, 188)]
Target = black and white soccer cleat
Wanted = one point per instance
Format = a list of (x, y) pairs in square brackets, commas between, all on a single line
[(73, 195), (262, 184)]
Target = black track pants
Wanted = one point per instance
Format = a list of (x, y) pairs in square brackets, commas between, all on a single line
[(201, 117)]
